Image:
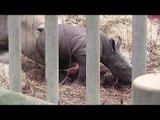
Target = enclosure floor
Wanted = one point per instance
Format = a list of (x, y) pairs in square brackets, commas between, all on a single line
[(111, 91)]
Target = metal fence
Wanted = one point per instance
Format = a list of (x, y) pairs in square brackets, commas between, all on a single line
[(92, 55)]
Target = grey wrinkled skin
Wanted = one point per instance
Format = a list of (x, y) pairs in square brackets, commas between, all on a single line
[(72, 47)]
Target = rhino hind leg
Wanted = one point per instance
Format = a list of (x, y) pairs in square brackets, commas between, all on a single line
[(62, 76), (63, 72), (81, 79)]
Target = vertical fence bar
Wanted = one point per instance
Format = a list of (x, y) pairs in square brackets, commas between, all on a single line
[(93, 60), (14, 32), (139, 47), (139, 62), (52, 61)]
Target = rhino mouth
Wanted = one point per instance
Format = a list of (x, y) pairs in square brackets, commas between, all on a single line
[(125, 81)]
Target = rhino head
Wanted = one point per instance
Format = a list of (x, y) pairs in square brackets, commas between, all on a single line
[(116, 62)]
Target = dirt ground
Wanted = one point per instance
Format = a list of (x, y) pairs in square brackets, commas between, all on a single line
[(111, 90)]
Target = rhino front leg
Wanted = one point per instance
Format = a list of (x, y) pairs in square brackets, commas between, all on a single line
[(81, 79)]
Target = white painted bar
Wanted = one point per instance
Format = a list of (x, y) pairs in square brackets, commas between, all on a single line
[(93, 60), (139, 46), (52, 58), (14, 32)]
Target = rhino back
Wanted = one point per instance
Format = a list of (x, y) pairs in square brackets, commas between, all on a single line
[(71, 41)]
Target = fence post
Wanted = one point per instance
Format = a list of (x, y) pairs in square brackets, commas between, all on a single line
[(139, 46), (14, 32), (52, 58), (93, 60), (146, 90)]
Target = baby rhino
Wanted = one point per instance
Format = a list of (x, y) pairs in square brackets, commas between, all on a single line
[(72, 48)]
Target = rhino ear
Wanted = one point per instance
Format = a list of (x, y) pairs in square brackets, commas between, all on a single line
[(119, 42), (112, 42)]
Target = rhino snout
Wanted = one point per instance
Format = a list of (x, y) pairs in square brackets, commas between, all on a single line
[(127, 78)]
